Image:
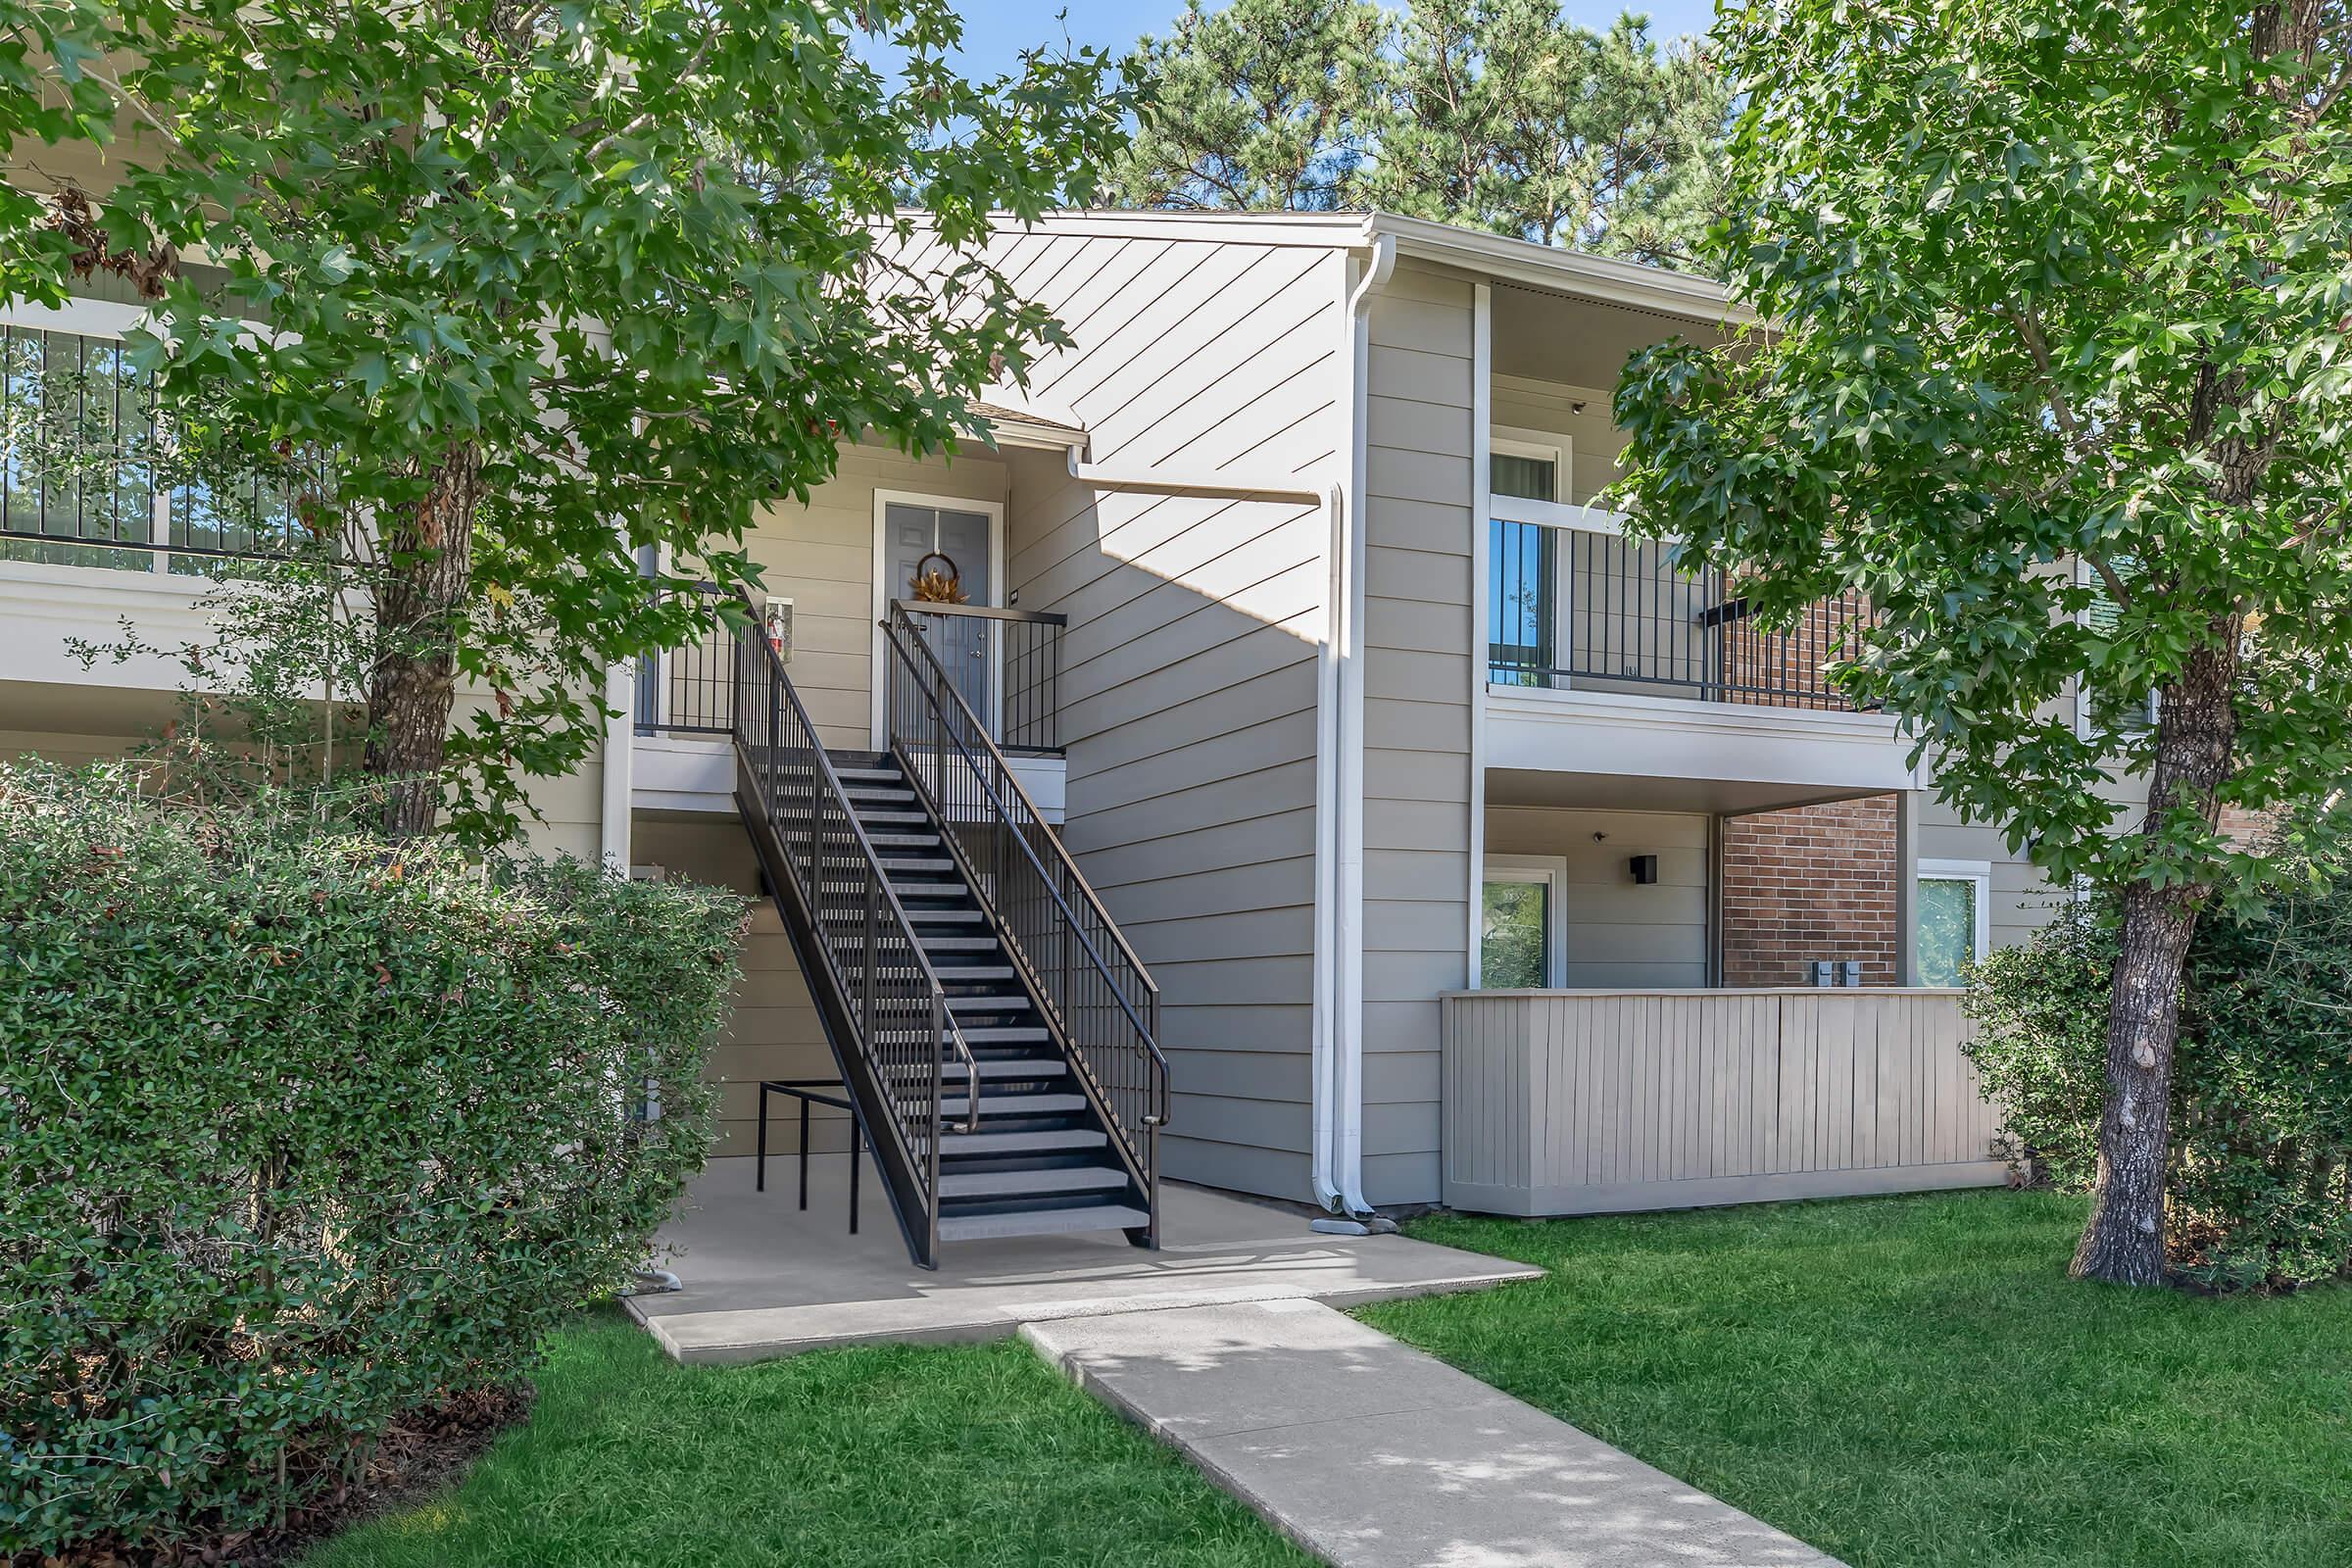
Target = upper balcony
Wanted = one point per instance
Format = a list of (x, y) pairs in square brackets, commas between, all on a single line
[(1606, 662), (1005, 664)]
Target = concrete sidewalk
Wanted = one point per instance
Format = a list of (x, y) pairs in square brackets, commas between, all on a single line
[(1374, 1455), (765, 1278)]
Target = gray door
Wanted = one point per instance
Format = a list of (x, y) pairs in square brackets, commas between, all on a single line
[(965, 644)]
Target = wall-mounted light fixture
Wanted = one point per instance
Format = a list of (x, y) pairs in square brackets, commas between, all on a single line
[(1644, 869)]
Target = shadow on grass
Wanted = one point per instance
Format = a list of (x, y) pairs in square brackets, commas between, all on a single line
[(894, 1456), (1915, 1383)]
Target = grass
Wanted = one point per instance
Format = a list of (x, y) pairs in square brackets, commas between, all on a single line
[(900, 1455), (1914, 1383)]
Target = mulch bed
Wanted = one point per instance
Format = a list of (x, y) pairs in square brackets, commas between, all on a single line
[(427, 1449)]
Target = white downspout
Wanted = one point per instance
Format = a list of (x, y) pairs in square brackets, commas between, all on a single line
[(1337, 1069), (1339, 813), (621, 743), (1238, 485)]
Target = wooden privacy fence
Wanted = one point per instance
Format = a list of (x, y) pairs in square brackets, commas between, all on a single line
[(1594, 1101)]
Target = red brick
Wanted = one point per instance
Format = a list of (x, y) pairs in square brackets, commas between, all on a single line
[(1813, 882)]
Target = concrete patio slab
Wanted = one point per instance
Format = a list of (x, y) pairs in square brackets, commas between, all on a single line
[(763, 1279), (1373, 1455)]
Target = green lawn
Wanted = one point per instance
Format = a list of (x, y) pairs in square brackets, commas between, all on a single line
[(907, 1455), (1914, 1383)]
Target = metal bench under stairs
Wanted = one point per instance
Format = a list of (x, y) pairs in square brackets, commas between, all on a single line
[(996, 1034)]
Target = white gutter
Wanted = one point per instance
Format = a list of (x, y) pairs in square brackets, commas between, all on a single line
[(1338, 1014)]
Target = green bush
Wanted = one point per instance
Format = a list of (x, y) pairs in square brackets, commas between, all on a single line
[(2259, 1192), (307, 1129)]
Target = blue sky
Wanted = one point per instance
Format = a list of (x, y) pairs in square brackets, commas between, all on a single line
[(996, 31)]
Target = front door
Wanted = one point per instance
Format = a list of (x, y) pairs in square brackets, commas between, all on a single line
[(920, 540)]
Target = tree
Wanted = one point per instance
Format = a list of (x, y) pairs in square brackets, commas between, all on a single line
[(1265, 106), (1498, 113), (2060, 300), (509, 292), (1503, 116)]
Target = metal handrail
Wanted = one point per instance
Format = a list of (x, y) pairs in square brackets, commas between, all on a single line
[(930, 606), (932, 691), (1014, 783), (952, 1032)]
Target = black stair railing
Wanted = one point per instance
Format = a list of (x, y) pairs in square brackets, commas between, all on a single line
[(1095, 995), (905, 1035)]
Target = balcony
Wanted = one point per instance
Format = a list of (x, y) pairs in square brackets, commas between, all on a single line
[(1586, 609), (1606, 660), (1006, 665)]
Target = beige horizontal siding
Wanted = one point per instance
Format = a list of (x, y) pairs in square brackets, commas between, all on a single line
[(1565, 1103), (1618, 933), (773, 1030), (822, 557), (1189, 665), (1420, 546)]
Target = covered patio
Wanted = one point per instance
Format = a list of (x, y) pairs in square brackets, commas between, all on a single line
[(763, 1278)]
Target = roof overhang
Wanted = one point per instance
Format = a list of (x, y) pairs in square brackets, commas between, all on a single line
[(1013, 424), (1546, 266)]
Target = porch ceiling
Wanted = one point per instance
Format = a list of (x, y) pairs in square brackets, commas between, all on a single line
[(1512, 786), (1582, 342)]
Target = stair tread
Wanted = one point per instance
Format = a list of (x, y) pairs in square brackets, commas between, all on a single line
[(1065, 1140), (1024, 1068), (1042, 1222), (1022, 1183), (1015, 1105), (958, 916)]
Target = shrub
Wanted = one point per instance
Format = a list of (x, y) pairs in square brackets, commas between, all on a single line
[(2259, 1190), (307, 1129)]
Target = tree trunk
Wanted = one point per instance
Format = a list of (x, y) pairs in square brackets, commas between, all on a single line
[(2196, 732), (429, 559)]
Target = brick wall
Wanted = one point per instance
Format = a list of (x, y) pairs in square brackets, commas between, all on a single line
[(1814, 882)]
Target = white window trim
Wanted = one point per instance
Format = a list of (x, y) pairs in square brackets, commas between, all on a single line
[(1981, 873), (1507, 441), (1550, 871), (878, 671), (2086, 577)]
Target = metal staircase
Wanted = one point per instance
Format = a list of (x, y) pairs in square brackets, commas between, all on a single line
[(993, 1030)]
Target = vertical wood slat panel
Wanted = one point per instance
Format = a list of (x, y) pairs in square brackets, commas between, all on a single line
[(1636, 1097)]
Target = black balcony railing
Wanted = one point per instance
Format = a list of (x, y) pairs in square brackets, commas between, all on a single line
[(87, 477), (1006, 663), (689, 690), (1601, 613)]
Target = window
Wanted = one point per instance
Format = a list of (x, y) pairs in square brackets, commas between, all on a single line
[(1526, 470), (1954, 918), (75, 447), (1523, 597), (1522, 938), (2103, 614), (86, 468)]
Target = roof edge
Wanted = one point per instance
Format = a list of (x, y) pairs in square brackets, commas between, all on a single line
[(1500, 257), (1601, 278)]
